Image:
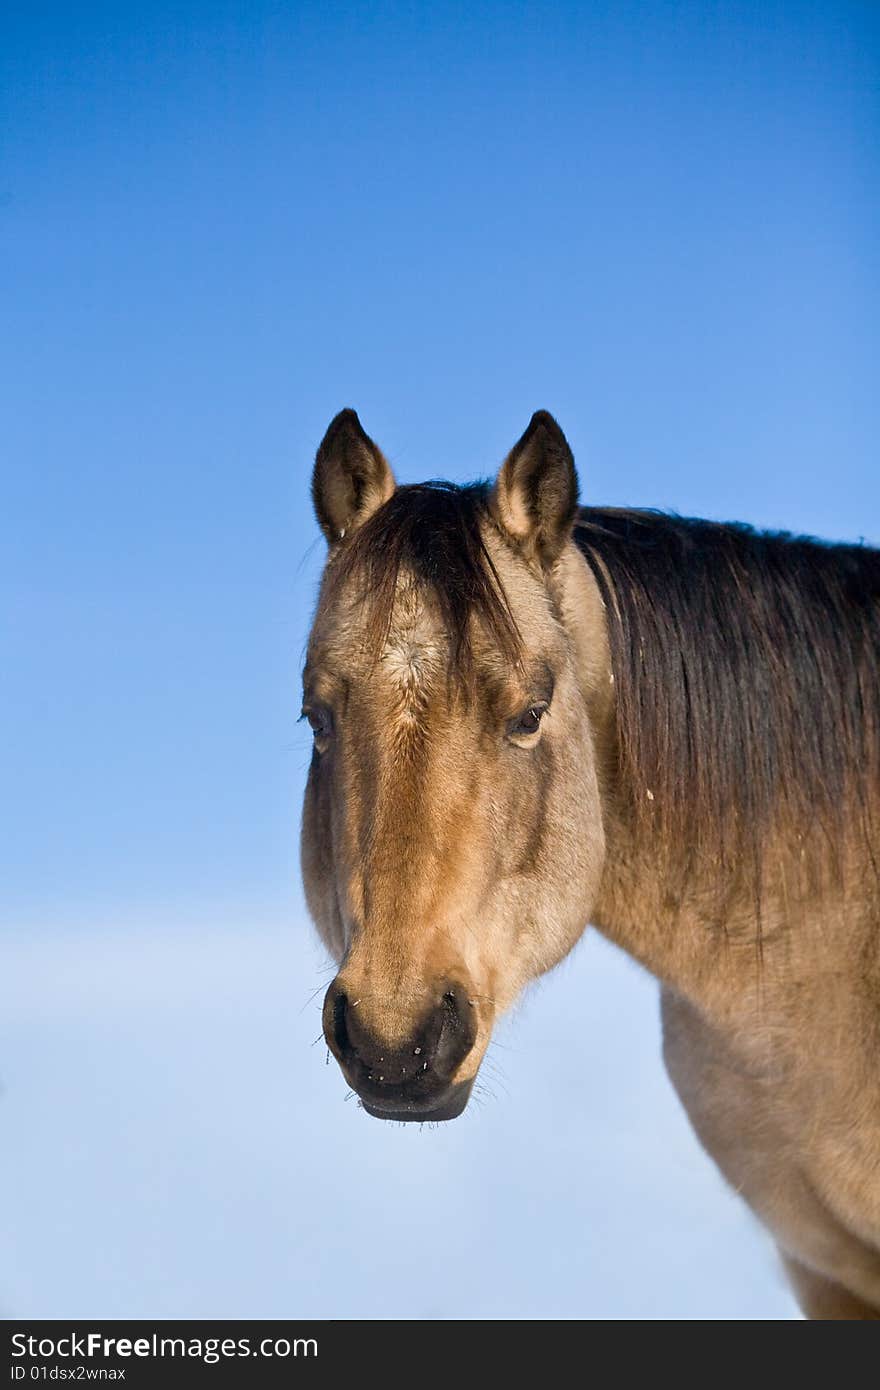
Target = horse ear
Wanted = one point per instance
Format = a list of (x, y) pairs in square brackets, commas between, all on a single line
[(352, 477), (536, 492)]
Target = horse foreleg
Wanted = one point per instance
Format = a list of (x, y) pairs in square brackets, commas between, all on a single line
[(736, 1118)]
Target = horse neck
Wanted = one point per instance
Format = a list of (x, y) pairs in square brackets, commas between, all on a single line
[(726, 949)]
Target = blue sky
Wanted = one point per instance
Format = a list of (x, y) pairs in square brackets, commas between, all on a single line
[(220, 223)]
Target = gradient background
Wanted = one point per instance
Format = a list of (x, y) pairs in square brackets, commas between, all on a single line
[(220, 223)]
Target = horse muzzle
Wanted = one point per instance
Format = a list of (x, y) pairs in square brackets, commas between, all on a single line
[(410, 1079)]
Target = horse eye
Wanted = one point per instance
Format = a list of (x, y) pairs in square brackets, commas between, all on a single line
[(529, 722), (320, 720)]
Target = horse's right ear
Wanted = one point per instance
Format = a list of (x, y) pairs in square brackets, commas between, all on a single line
[(352, 477)]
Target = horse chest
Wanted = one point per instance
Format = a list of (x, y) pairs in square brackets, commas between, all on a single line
[(843, 1163)]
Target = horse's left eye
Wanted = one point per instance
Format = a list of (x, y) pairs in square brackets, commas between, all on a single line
[(527, 723)]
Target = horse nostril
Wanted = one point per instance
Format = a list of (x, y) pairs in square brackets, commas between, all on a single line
[(335, 1023), (458, 1031)]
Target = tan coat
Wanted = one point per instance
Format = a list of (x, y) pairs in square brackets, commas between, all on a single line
[(501, 757)]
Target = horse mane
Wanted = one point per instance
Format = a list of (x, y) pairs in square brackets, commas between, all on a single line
[(747, 683)]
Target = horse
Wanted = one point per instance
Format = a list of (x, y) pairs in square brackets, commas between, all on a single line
[(530, 716)]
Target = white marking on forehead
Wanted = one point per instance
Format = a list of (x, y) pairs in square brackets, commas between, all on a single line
[(414, 649), (405, 664)]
